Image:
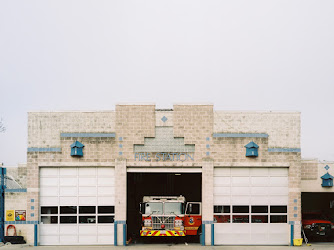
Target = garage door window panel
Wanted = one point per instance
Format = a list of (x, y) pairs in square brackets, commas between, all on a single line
[(278, 218), (106, 209), (259, 218), (49, 219), (49, 210), (87, 209), (260, 209), (240, 218), (222, 218), (240, 209), (278, 209), (222, 209), (87, 219), (68, 219), (106, 219), (68, 210)]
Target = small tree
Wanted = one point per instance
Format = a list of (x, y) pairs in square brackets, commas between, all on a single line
[(2, 126)]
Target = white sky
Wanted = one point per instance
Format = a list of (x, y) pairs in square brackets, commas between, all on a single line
[(238, 55)]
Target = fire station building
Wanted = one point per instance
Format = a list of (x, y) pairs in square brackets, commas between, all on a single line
[(87, 172)]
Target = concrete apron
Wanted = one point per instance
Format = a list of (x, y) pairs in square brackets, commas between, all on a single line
[(190, 246)]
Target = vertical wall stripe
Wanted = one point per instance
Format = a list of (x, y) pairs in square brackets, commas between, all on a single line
[(35, 235), (115, 233), (124, 234), (291, 243), (212, 234), (203, 235)]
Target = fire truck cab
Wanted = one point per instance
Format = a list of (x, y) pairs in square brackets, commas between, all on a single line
[(170, 216)]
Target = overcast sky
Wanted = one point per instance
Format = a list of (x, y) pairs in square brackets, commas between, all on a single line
[(238, 55)]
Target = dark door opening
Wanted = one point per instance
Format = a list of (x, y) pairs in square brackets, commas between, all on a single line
[(318, 216), (188, 185)]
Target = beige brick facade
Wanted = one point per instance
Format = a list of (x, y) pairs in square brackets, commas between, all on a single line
[(197, 124), (312, 170), (309, 169)]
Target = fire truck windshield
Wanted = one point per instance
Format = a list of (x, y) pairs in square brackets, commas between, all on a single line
[(173, 208), (153, 208)]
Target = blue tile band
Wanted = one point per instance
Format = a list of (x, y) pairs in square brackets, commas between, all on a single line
[(22, 222), (207, 222), (16, 190), (44, 150), (237, 135), (112, 135), (294, 222), (284, 150)]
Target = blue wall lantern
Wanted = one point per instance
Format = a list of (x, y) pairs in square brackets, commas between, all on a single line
[(327, 180), (76, 149), (252, 149)]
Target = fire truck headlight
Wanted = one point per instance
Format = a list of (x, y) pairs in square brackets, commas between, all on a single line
[(147, 223), (178, 223)]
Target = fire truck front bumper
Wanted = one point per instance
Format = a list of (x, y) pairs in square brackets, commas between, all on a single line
[(162, 233)]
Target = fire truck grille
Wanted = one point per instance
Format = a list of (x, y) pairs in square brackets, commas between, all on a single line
[(168, 221)]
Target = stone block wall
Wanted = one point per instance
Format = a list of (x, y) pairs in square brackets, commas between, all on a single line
[(309, 169), (18, 201), (195, 124), (283, 128), (44, 128), (233, 150), (312, 170), (133, 124)]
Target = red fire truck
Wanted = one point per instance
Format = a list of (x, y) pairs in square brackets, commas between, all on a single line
[(170, 216)]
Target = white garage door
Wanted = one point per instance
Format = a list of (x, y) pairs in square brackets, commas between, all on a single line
[(77, 206), (250, 206)]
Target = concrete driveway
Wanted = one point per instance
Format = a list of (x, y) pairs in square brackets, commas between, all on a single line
[(172, 247)]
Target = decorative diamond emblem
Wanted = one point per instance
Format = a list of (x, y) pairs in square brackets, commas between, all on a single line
[(164, 119), (327, 167)]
